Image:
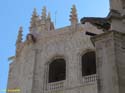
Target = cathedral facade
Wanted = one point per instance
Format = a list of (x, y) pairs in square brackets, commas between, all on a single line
[(86, 57)]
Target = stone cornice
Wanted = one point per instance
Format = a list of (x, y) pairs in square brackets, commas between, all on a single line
[(105, 35)]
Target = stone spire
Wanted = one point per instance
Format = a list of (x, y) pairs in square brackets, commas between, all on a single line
[(44, 13), (19, 38), (73, 16), (34, 20), (34, 12), (19, 41), (43, 19)]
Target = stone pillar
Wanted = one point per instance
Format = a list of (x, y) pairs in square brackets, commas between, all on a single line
[(73, 75), (110, 54)]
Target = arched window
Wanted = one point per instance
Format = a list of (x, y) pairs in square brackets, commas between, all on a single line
[(88, 63), (57, 70)]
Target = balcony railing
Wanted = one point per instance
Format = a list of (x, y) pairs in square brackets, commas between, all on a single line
[(55, 85), (60, 84), (90, 78)]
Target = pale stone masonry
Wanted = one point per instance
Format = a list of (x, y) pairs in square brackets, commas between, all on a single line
[(110, 51), (44, 43), (86, 57)]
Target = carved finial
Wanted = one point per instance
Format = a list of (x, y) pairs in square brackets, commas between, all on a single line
[(34, 16), (19, 41), (49, 24), (34, 12), (19, 38), (44, 13), (34, 20), (49, 16), (73, 16)]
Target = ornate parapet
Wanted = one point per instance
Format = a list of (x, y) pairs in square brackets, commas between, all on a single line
[(40, 24)]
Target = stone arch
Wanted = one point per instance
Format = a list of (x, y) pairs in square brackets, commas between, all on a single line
[(56, 69), (86, 50), (88, 62), (80, 53), (53, 57)]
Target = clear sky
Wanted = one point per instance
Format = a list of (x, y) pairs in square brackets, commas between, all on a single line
[(15, 13)]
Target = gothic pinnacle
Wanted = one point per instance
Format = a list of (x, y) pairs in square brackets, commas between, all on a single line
[(19, 38), (34, 19), (44, 13), (34, 15), (34, 12), (73, 16), (49, 16)]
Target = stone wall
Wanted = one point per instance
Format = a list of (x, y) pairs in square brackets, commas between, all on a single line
[(110, 62), (119, 39), (69, 43)]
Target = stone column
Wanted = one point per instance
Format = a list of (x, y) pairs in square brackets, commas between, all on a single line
[(107, 63)]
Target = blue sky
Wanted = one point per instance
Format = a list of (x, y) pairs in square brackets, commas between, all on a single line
[(15, 13)]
